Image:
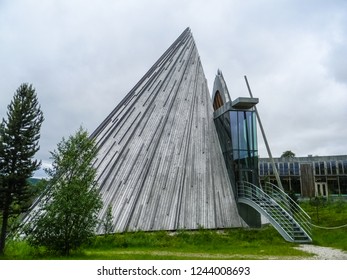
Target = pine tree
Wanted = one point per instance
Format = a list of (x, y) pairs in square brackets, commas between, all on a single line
[(68, 215), (19, 137)]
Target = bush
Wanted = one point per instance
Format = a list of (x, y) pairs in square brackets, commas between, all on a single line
[(68, 215)]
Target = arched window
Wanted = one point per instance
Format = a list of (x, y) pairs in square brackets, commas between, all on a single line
[(218, 101)]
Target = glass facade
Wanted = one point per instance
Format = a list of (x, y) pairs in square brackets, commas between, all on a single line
[(237, 133), (284, 169), (330, 170), (244, 134)]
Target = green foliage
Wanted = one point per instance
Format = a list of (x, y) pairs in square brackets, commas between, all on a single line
[(18, 250), (318, 202), (288, 154), (202, 240), (19, 137), (332, 214), (68, 215), (262, 243), (108, 222), (206, 244)]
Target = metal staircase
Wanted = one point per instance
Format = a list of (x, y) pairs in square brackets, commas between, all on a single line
[(289, 219)]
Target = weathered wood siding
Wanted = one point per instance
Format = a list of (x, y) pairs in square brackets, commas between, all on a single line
[(159, 163), (307, 180)]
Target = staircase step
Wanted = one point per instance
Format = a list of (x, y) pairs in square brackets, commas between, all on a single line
[(274, 208)]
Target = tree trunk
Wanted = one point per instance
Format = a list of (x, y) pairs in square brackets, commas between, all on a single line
[(5, 215)]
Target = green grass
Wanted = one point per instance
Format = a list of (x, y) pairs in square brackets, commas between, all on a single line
[(229, 242), (264, 243), (328, 214)]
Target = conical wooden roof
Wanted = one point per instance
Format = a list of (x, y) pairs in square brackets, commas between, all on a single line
[(160, 166)]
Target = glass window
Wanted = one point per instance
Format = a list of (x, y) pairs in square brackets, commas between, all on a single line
[(322, 168), (266, 169), (261, 169), (340, 167), (280, 168), (296, 186), (345, 167), (328, 168), (333, 186), (285, 168), (234, 131), (252, 130), (316, 168), (343, 184), (296, 169), (242, 131), (243, 134), (237, 135), (333, 167), (291, 168), (222, 125)]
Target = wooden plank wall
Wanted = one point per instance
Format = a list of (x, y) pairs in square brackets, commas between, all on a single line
[(307, 180), (159, 163)]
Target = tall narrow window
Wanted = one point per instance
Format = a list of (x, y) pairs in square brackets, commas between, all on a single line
[(345, 166), (340, 167), (296, 169), (322, 168), (316, 168), (218, 101), (333, 167)]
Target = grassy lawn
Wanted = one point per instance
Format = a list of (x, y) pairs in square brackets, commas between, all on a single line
[(264, 243), (328, 214), (202, 244)]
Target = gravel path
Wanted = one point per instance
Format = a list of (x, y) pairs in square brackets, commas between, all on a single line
[(323, 253), (320, 253)]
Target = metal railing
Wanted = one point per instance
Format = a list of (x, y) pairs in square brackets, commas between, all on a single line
[(302, 218), (285, 214)]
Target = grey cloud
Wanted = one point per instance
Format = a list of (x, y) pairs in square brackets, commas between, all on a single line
[(84, 56)]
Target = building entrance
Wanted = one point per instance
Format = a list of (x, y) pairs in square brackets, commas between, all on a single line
[(321, 189)]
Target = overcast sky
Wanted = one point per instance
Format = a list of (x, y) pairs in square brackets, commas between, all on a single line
[(84, 56)]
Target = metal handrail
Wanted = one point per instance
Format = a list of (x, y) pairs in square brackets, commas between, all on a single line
[(303, 219), (253, 192)]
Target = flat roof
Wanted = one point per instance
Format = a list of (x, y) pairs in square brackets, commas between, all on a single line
[(244, 102)]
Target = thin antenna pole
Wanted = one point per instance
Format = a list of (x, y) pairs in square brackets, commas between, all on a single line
[(265, 140)]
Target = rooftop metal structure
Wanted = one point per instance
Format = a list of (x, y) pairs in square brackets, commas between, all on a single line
[(159, 164)]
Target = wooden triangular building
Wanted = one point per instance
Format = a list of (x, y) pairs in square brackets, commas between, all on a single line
[(159, 164)]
